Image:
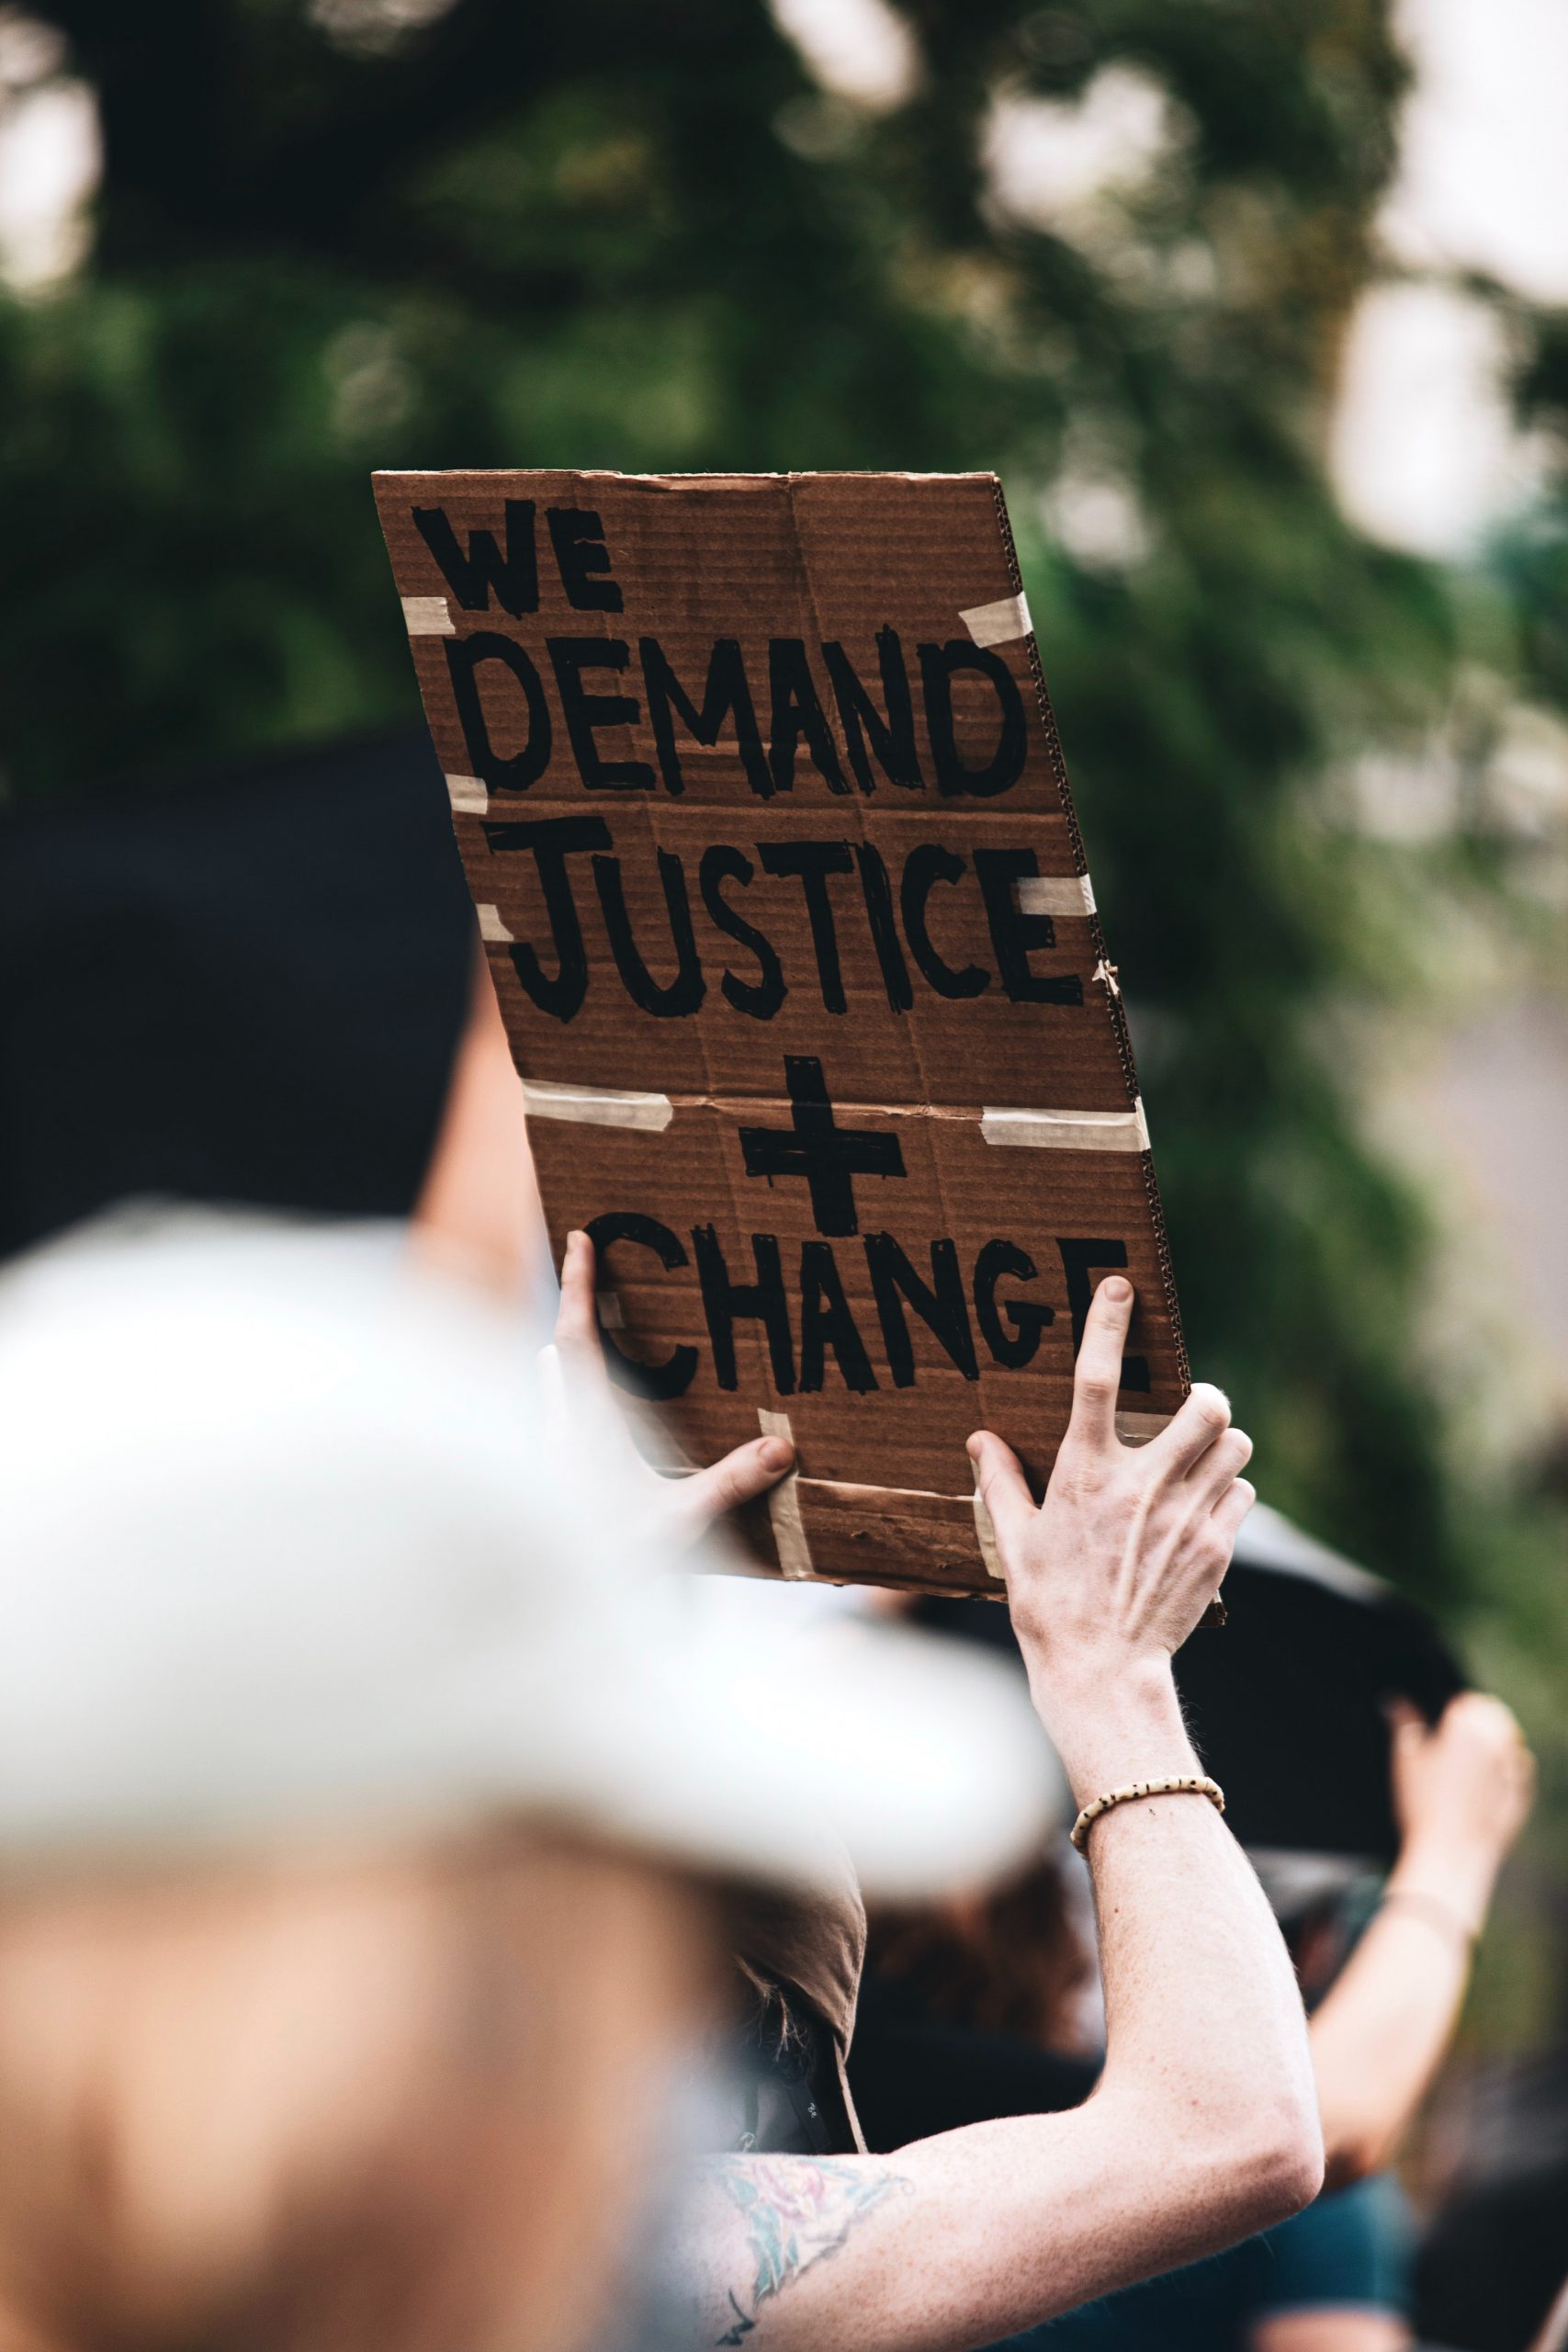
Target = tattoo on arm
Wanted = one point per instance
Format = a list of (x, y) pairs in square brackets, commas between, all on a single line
[(797, 2211)]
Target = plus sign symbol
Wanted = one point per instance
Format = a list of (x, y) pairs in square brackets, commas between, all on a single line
[(827, 1156)]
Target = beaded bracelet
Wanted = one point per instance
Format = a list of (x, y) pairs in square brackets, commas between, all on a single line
[(1193, 1785)]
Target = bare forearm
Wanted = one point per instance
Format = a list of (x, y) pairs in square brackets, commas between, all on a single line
[(1205, 2126), (1206, 2042), (1379, 2035)]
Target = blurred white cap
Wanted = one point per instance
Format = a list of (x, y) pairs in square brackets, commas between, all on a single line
[(288, 1552)]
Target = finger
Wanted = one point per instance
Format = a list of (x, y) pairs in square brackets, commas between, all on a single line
[(1230, 1511), (1404, 1714), (1096, 1375), (1220, 1466), (1493, 1722), (747, 1472), (577, 1318), (1221, 1529), (1408, 1729), (1493, 1716), (1004, 1489), (1205, 1416)]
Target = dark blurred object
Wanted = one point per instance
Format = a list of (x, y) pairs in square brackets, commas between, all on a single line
[(799, 1959), (1496, 2249), (914, 2075), (248, 986), (1288, 1710), (785, 2095), (1287, 1705), (968, 2009), (1014, 1960)]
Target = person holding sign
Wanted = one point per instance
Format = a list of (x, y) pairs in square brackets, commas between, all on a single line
[(1204, 2127)]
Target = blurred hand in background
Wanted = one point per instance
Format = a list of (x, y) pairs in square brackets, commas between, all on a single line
[(1462, 1791)]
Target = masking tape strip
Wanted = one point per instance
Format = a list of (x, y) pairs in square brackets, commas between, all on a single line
[(986, 1533), (784, 1507), (850, 1491), (428, 617), (1138, 1428), (490, 925), (1053, 894), (596, 1106), (610, 1315), (468, 794), (1068, 1130), (999, 624)]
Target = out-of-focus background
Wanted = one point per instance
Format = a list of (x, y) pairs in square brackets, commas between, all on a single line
[(1260, 310)]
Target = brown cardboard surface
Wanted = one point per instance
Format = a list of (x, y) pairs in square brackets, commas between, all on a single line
[(814, 1017)]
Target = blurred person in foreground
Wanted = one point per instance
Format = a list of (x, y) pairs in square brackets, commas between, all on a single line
[(359, 1789), (365, 1801)]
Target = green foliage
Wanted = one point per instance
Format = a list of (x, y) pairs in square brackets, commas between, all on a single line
[(636, 233)]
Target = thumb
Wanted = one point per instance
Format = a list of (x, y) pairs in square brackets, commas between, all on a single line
[(577, 1317), (747, 1472), (1004, 1489)]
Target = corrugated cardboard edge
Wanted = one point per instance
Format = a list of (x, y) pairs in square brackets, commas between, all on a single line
[(1114, 1000)]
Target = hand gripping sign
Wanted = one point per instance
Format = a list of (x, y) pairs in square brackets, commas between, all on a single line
[(761, 802)]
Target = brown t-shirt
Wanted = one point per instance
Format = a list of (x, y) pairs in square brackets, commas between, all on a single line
[(813, 1948)]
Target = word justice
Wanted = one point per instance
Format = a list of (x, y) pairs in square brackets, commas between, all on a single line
[(778, 879)]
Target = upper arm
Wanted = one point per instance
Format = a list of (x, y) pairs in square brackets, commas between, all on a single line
[(954, 2242)]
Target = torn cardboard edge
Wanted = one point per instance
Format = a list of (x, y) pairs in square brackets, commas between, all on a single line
[(1114, 1005)]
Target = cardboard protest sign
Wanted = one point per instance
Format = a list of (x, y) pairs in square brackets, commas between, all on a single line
[(761, 802)]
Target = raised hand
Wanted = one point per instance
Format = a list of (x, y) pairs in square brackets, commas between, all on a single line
[(681, 1510), (1129, 1547), (1462, 1793)]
